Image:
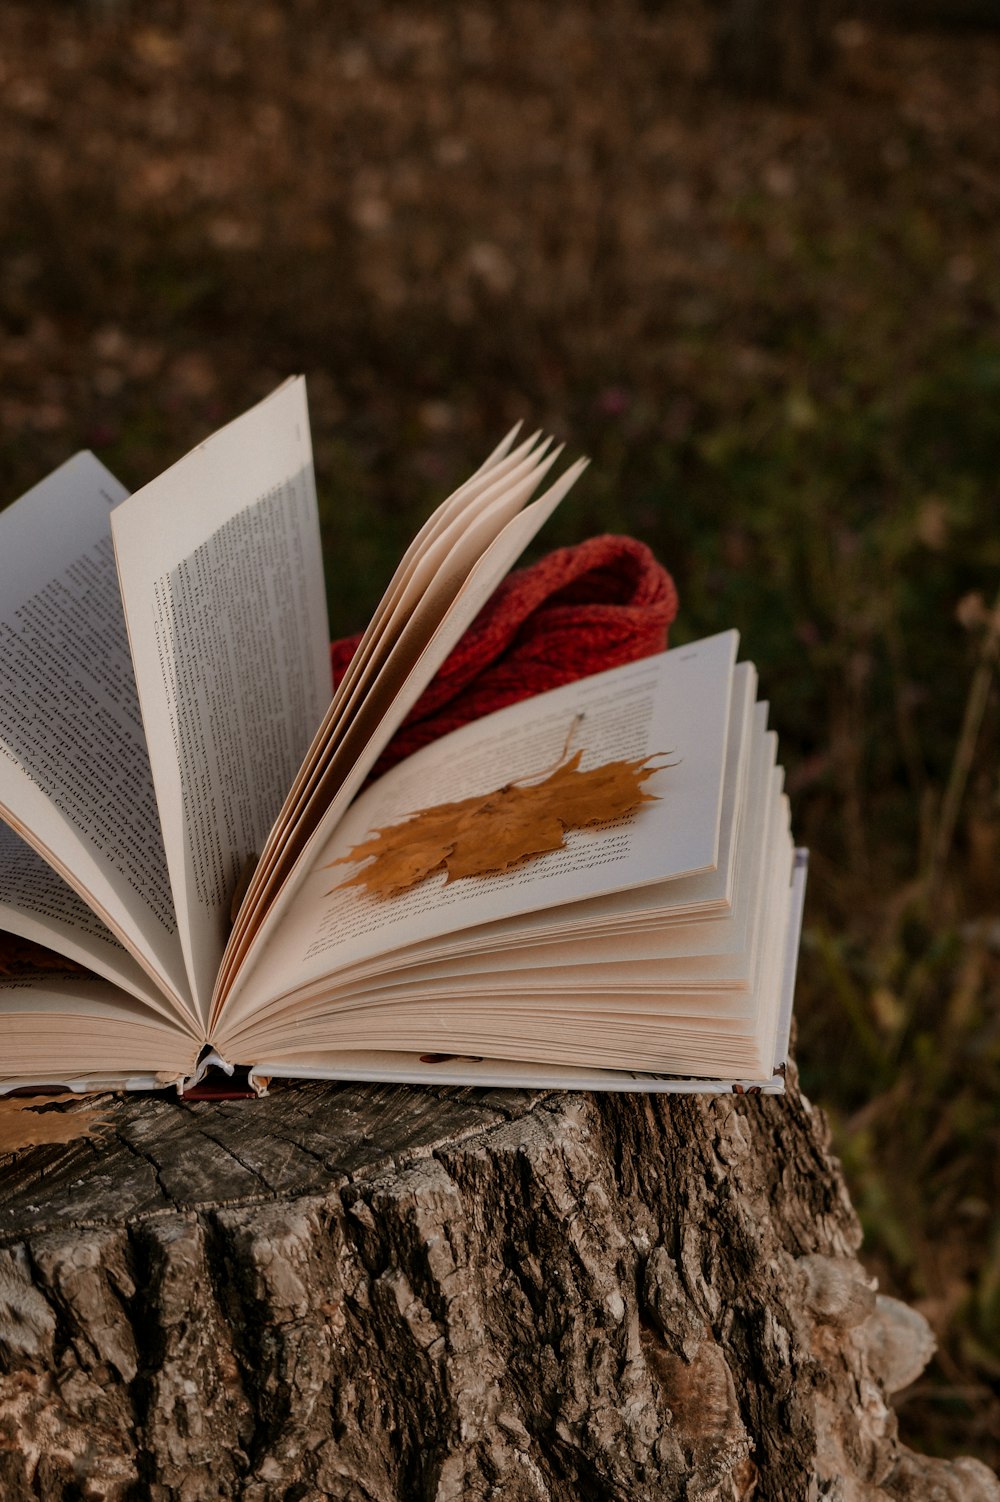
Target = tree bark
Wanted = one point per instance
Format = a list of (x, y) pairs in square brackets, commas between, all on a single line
[(372, 1293)]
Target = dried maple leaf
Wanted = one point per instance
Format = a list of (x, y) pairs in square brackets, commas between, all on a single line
[(24, 1122), (490, 833)]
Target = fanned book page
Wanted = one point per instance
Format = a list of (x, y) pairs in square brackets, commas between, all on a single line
[(625, 981), (677, 703), (168, 736), (221, 578)]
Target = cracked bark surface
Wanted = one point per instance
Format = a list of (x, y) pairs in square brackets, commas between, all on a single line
[(373, 1293)]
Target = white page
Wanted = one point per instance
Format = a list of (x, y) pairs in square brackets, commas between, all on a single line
[(621, 1038), (74, 769), (379, 634), (372, 692), (471, 596), (715, 955), (447, 1068), (745, 769), (442, 554), (672, 931), (451, 1069), (502, 460), (221, 575), (677, 703), (37, 904), (790, 959), (700, 899), (62, 1025), (597, 926), (773, 927), (573, 964), (378, 707)]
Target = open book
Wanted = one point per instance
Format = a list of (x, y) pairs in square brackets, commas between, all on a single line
[(167, 735)]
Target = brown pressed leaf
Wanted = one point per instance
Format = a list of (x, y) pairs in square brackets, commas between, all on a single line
[(23, 1122), (479, 836)]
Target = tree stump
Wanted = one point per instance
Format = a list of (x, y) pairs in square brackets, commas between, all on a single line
[(372, 1293)]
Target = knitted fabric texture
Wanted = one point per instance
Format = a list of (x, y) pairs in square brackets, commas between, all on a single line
[(578, 611)]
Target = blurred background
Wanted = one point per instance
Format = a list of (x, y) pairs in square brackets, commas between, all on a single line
[(745, 254)]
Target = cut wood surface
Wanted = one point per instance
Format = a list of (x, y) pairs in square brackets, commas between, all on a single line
[(373, 1293)]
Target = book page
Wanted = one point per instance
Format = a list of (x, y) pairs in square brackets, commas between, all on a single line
[(383, 697), (74, 769), (771, 926), (676, 704), (393, 664), (37, 904), (452, 1069), (392, 615), (582, 943), (55, 1027), (641, 1026), (620, 1034), (701, 897), (407, 586), (471, 571), (220, 566), (707, 910), (659, 916), (415, 575)]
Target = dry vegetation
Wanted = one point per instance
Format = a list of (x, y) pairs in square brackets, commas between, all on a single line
[(773, 325)]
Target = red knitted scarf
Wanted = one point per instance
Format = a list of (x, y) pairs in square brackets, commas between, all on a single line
[(578, 611)]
